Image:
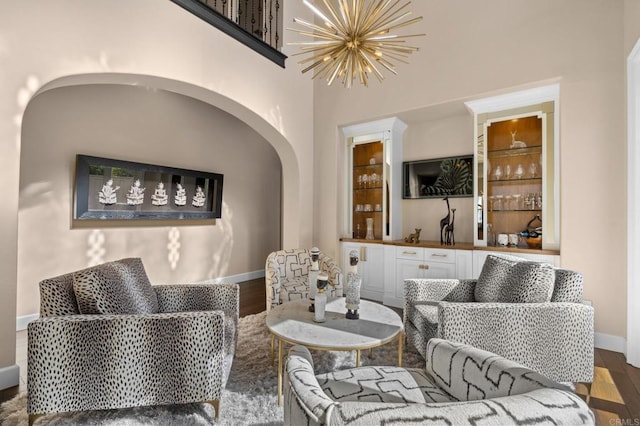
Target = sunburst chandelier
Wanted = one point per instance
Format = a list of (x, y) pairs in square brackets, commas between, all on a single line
[(356, 39)]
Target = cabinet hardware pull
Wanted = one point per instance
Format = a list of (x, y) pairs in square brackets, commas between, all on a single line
[(363, 254), (425, 266), (409, 252), (438, 255), (420, 266)]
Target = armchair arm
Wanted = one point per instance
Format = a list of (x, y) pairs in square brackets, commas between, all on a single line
[(93, 362), (429, 291), (304, 400), (535, 407), (331, 268), (553, 338), (198, 297), (435, 290), (272, 281)]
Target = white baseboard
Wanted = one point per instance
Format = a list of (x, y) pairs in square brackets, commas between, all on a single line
[(9, 376), (610, 342), (21, 322), (247, 276)]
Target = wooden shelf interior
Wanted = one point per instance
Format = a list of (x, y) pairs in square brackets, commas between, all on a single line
[(368, 160), (508, 215)]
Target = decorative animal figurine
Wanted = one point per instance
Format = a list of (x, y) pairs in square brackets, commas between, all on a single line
[(449, 238), (444, 222), (414, 238)]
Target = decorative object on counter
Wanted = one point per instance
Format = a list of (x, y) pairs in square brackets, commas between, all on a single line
[(414, 238), (313, 276), (444, 222), (369, 235), (354, 281), (321, 298), (449, 239), (533, 235), (451, 177), (354, 40)]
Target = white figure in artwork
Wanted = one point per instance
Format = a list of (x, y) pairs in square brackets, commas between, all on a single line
[(108, 194), (159, 197), (181, 196), (199, 198), (136, 194)]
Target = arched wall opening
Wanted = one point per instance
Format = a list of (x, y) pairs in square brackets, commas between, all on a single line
[(150, 120)]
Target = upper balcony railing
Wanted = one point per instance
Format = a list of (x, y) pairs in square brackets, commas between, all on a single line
[(256, 23)]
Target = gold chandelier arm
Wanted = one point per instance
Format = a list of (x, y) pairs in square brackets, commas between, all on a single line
[(316, 28), (315, 35), (383, 14), (333, 13)]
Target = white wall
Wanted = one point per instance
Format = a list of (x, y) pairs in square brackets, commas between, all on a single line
[(150, 126), (474, 49), (445, 137), (157, 45)]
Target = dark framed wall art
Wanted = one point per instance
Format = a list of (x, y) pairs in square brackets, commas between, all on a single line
[(440, 177), (114, 189)]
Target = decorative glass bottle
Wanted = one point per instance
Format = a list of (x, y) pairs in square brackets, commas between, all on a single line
[(313, 276), (321, 298), (353, 287), (369, 221)]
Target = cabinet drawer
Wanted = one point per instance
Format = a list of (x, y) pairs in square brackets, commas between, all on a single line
[(437, 255), (409, 253)]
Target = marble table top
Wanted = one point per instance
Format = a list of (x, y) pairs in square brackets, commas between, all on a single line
[(294, 323)]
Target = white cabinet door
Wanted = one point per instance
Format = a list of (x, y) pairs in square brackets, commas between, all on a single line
[(372, 260), (436, 270), (406, 269), (370, 268)]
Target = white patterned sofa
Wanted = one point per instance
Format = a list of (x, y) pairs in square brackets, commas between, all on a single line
[(287, 271), (526, 311), (460, 385), (107, 339)]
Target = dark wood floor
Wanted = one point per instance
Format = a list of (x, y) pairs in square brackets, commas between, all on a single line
[(614, 394)]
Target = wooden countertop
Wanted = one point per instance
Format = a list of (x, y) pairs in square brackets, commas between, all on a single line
[(458, 246)]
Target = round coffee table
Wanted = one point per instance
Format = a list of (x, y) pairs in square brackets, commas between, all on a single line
[(293, 323)]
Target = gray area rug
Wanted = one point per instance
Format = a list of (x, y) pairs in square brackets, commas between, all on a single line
[(250, 397)]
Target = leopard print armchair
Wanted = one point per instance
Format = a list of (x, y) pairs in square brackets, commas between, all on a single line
[(286, 276), (526, 311), (107, 339), (460, 385)]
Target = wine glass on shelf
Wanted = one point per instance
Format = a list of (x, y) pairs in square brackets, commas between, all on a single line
[(533, 170), (507, 172), (498, 173), (519, 172), (365, 180)]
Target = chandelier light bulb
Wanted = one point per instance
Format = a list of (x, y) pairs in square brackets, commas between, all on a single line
[(355, 39)]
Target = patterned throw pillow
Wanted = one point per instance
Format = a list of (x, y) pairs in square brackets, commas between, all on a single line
[(514, 280), (120, 287), (528, 282)]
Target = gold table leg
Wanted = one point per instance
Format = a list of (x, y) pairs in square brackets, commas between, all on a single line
[(400, 339), (357, 357), (273, 337), (279, 372)]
